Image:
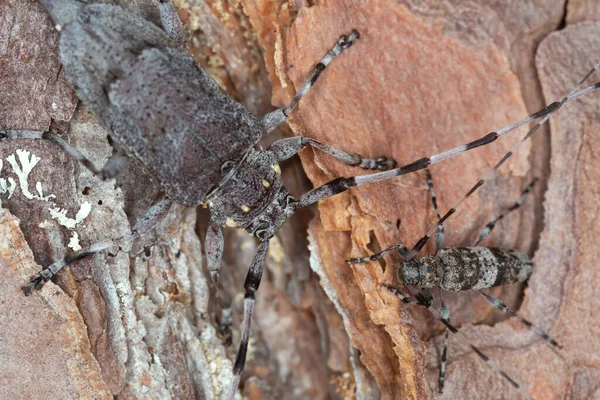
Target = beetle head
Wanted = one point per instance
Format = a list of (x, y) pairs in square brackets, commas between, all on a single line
[(420, 272)]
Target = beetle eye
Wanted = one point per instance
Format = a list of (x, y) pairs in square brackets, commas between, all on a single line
[(227, 166)]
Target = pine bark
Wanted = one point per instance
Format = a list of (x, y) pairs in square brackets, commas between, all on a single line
[(423, 77)]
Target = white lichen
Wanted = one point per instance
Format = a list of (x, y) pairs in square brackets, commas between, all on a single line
[(60, 214), (7, 186), (22, 164), (74, 242), (22, 171), (45, 224), (40, 190)]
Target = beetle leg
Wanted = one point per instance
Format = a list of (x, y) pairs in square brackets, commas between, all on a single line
[(340, 185), (487, 230), (273, 119), (502, 307), (110, 170), (401, 249), (422, 299), (143, 225), (445, 315), (38, 281), (214, 252), (251, 286), (287, 147), (439, 234)]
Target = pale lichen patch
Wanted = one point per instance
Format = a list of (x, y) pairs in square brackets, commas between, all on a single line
[(46, 224), (7, 186), (60, 215), (74, 242), (22, 171), (40, 191), (26, 162)]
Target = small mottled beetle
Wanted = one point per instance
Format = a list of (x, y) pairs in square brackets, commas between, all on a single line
[(196, 141), (455, 269)]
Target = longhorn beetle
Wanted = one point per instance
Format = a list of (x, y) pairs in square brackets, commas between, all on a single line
[(467, 268), (462, 269), (196, 141)]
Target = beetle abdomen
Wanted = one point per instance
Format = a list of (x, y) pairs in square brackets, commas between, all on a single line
[(476, 268)]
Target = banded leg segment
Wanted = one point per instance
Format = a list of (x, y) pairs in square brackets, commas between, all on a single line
[(143, 225), (439, 239), (340, 185), (214, 253), (287, 147), (487, 230), (545, 113), (439, 234), (273, 119), (451, 328), (403, 298), (504, 308), (251, 286), (400, 248), (445, 315), (110, 170), (37, 281)]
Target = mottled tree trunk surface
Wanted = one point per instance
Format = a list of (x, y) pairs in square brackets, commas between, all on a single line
[(425, 76)]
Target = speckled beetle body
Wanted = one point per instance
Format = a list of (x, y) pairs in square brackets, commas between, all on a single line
[(457, 269), (467, 268)]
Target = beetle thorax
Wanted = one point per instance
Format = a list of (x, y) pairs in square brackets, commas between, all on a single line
[(253, 197), (422, 272)]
